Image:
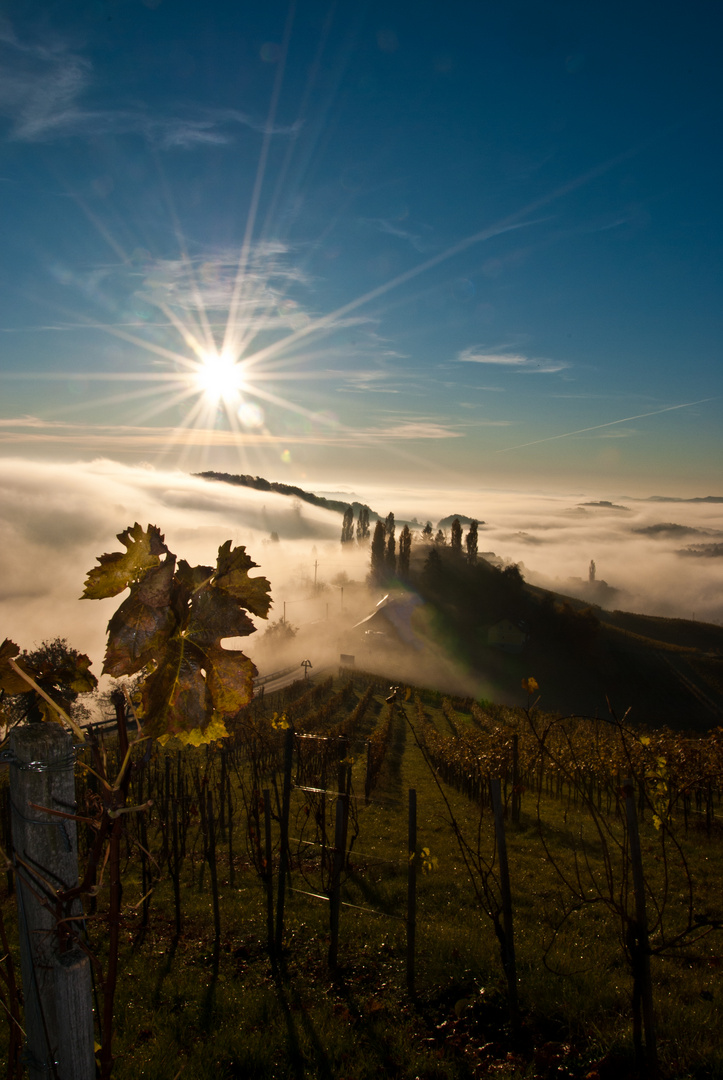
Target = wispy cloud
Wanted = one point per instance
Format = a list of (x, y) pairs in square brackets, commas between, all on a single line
[(207, 280), (392, 227), (608, 424), (513, 361), (33, 431), (358, 381), (46, 93)]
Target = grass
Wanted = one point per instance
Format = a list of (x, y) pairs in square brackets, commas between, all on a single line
[(293, 1017)]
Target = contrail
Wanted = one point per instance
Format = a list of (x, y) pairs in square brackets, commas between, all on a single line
[(610, 423)]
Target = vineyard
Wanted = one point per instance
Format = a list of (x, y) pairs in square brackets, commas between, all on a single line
[(289, 909)]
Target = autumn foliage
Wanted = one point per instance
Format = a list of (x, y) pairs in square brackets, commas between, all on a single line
[(170, 630)]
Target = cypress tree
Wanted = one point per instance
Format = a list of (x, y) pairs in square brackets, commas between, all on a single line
[(471, 542), (391, 556), (347, 528), (362, 525), (455, 541), (405, 547), (378, 549)]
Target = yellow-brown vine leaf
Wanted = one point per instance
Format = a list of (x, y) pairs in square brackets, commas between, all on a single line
[(215, 615), (171, 627), (194, 691), (174, 697), (139, 630), (10, 681), (230, 680), (121, 568), (232, 576), (215, 732)]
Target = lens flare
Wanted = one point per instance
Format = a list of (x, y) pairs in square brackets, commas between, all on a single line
[(250, 414)]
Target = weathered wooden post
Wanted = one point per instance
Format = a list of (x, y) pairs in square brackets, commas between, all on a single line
[(335, 893), (284, 839), (412, 890), (339, 859), (508, 940), (268, 872), (642, 984), (56, 979), (516, 800)]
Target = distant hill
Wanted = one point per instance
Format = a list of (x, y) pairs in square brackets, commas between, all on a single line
[(675, 499), (446, 522), (587, 661), (257, 483), (606, 505), (670, 529)]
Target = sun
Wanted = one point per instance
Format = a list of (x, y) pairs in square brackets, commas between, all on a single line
[(219, 377)]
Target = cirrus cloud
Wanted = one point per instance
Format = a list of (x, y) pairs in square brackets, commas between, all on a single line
[(536, 365)]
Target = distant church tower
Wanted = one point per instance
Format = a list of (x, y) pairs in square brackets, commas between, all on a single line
[(591, 571)]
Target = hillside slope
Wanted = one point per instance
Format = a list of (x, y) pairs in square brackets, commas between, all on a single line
[(586, 660)]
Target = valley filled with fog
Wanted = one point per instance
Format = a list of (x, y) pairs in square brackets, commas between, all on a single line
[(651, 556)]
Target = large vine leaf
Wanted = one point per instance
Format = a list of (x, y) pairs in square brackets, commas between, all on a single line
[(174, 699), (230, 680), (172, 625), (139, 630), (215, 615), (10, 681), (232, 576), (193, 577), (194, 691), (121, 568)]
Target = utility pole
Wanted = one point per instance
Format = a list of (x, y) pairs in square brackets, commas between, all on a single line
[(316, 563)]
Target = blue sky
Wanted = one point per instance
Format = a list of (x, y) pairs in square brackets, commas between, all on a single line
[(461, 244)]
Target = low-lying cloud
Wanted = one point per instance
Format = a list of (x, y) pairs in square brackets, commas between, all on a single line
[(56, 519)]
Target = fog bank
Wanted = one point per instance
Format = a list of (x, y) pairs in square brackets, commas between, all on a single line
[(56, 518)]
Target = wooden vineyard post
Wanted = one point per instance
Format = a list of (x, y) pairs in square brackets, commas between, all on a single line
[(213, 870), (76, 1059), (340, 835), (508, 946), (55, 975), (335, 897), (268, 871), (640, 949), (412, 891), (515, 815), (176, 872), (368, 778), (229, 832), (284, 840), (344, 785)]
